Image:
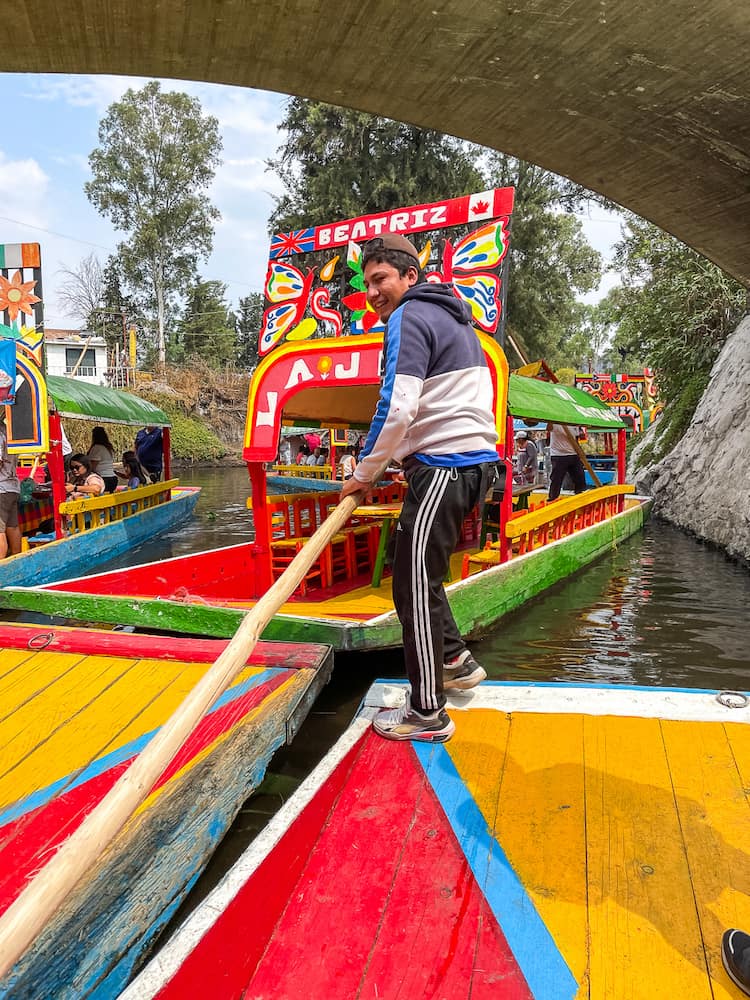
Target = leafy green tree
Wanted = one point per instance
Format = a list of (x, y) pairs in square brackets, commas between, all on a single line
[(248, 321), (207, 328), (673, 312), (675, 308), (336, 163), (156, 157), (551, 261)]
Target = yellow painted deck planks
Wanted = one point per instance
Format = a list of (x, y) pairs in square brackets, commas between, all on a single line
[(645, 940), (613, 825), (715, 820), (104, 703), (540, 826)]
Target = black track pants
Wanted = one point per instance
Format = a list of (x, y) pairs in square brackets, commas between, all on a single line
[(562, 464), (437, 501)]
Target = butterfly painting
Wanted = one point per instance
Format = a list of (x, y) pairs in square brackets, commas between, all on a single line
[(468, 266), (288, 289)]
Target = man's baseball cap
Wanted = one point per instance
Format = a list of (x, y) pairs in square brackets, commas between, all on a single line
[(391, 241), (522, 434)]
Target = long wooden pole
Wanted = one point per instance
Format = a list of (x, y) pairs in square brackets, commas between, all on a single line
[(44, 895)]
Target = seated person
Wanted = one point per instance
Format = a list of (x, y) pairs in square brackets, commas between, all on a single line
[(133, 471), (85, 483)]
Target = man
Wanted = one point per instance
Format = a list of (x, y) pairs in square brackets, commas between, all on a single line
[(435, 415), (528, 461), (564, 459), (10, 488), (149, 451)]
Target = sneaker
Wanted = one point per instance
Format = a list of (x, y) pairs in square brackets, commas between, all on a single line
[(735, 954), (406, 723), (462, 673)]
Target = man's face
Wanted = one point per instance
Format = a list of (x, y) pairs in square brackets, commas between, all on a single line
[(386, 287)]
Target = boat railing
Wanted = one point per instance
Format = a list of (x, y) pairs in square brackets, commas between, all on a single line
[(532, 529), (92, 512), (547, 522), (305, 471)]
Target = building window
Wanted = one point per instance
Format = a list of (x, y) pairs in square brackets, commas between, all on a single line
[(87, 364)]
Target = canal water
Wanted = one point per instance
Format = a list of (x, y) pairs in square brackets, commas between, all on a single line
[(663, 609)]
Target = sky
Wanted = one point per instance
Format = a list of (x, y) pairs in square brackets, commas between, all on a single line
[(50, 126)]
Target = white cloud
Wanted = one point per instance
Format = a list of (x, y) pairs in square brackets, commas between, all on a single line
[(24, 186), (96, 92)]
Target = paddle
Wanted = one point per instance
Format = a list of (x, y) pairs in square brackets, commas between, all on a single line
[(44, 895)]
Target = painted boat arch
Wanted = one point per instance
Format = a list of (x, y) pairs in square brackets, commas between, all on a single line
[(334, 382)]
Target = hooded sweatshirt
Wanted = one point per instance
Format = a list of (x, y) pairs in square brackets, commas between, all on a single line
[(436, 397)]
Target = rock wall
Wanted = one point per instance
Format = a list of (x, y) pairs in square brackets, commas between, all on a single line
[(703, 485)]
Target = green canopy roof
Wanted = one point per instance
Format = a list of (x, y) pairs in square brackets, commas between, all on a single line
[(74, 398), (535, 399)]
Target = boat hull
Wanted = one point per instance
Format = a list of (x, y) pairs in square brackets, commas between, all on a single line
[(533, 856), (93, 701), (478, 602), (79, 553)]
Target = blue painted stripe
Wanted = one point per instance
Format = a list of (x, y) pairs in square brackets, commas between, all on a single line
[(116, 757), (457, 460), (534, 948)]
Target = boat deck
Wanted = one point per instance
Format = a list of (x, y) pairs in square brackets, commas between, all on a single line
[(77, 708), (568, 842)]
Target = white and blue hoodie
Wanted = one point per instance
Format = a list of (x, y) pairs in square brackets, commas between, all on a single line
[(436, 398)]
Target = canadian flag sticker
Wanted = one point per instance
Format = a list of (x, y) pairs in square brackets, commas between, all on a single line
[(481, 205)]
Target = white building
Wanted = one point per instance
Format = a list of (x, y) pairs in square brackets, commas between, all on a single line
[(76, 353)]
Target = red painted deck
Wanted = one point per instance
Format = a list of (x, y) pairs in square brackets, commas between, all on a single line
[(379, 903)]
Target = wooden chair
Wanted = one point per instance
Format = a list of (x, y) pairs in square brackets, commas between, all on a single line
[(283, 550)]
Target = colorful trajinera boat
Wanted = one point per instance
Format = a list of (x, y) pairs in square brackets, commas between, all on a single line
[(505, 557), (78, 706), (76, 534), (535, 855)]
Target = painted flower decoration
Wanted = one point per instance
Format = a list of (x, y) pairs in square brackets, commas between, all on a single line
[(16, 296), (364, 317)]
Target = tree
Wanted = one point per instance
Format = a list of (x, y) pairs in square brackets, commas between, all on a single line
[(248, 322), (156, 157), (673, 312), (336, 163), (207, 328), (81, 290), (675, 307), (551, 262)]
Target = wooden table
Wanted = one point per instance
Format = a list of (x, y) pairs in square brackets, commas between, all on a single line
[(387, 514)]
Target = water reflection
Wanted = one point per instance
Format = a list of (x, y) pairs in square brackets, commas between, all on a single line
[(663, 610)]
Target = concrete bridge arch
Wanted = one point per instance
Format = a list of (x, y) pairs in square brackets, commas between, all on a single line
[(644, 102)]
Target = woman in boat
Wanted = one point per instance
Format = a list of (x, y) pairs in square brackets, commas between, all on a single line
[(133, 471), (86, 482), (102, 458), (347, 464)]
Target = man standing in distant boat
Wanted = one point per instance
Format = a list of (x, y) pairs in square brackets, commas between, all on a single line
[(10, 489), (564, 459), (149, 449), (435, 415)]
